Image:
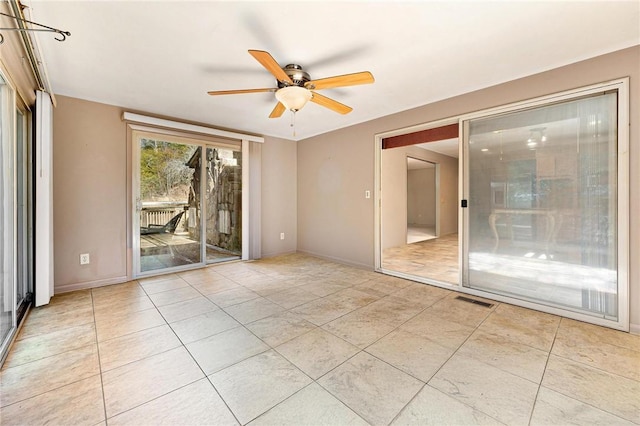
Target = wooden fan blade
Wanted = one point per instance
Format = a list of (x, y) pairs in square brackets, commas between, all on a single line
[(278, 110), (267, 61), (330, 103), (235, 92), (354, 79)]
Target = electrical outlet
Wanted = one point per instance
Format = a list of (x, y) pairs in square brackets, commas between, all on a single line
[(84, 259), (282, 235)]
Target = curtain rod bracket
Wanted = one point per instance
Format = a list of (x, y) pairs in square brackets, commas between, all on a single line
[(63, 34)]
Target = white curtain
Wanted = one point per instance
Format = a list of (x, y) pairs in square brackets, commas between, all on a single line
[(44, 199)]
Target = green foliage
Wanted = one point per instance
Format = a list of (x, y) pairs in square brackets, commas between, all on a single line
[(164, 174)]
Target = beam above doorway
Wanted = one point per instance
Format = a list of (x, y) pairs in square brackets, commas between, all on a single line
[(429, 135)]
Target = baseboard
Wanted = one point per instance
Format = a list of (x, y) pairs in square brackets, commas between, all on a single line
[(89, 284), (339, 260), (284, 253), (634, 329)]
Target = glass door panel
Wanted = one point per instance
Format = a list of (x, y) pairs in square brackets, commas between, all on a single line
[(542, 216), (223, 204), (168, 204), (22, 196), (7, 224)]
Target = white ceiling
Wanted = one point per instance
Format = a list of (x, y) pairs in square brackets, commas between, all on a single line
[(416, 164), (445, 147), (162, 57)]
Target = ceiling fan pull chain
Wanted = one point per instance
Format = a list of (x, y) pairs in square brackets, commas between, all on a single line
[(293, 122)]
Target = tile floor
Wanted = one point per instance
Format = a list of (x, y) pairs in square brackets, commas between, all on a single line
[(298, 340), (435, 259)]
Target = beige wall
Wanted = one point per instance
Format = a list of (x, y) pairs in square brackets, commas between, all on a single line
[(421, 197), (448, 199), (334, 169), (393, 182), (91, 194), (279, 195), (335, 220)]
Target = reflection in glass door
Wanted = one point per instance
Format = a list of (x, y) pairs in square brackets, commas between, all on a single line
[(543, 197), (223, 204), (167, 204)]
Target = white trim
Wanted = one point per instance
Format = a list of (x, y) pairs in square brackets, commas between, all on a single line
[(91, 284), (624, 207), (135, 196), (336, 259), (204, 203), (437, 202), (463, 225), (177, 125), (377, 207), (418, 127), (545, 100), (419, 279), (8, 203)]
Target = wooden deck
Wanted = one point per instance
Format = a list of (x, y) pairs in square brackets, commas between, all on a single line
[(159, 251)]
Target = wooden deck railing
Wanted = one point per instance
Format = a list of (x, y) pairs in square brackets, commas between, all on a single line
[(159, 213)]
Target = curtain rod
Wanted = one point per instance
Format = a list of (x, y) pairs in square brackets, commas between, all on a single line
[(44, 28)]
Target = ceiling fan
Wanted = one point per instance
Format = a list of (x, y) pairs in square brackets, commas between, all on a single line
[(295, 87)]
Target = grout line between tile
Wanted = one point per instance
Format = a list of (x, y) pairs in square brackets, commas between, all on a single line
[(206, 377), (535, 400), (582, 363), (451, 356), (95, 328), (47, 391)]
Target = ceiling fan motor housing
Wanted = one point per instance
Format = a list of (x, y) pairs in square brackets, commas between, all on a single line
[(295, 73)]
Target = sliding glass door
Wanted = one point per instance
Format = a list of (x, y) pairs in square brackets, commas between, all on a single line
[(542, 219), (16, 238), (223, 204), (188, 200)]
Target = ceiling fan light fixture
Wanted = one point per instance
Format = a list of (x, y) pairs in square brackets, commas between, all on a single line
[(293, 97)]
